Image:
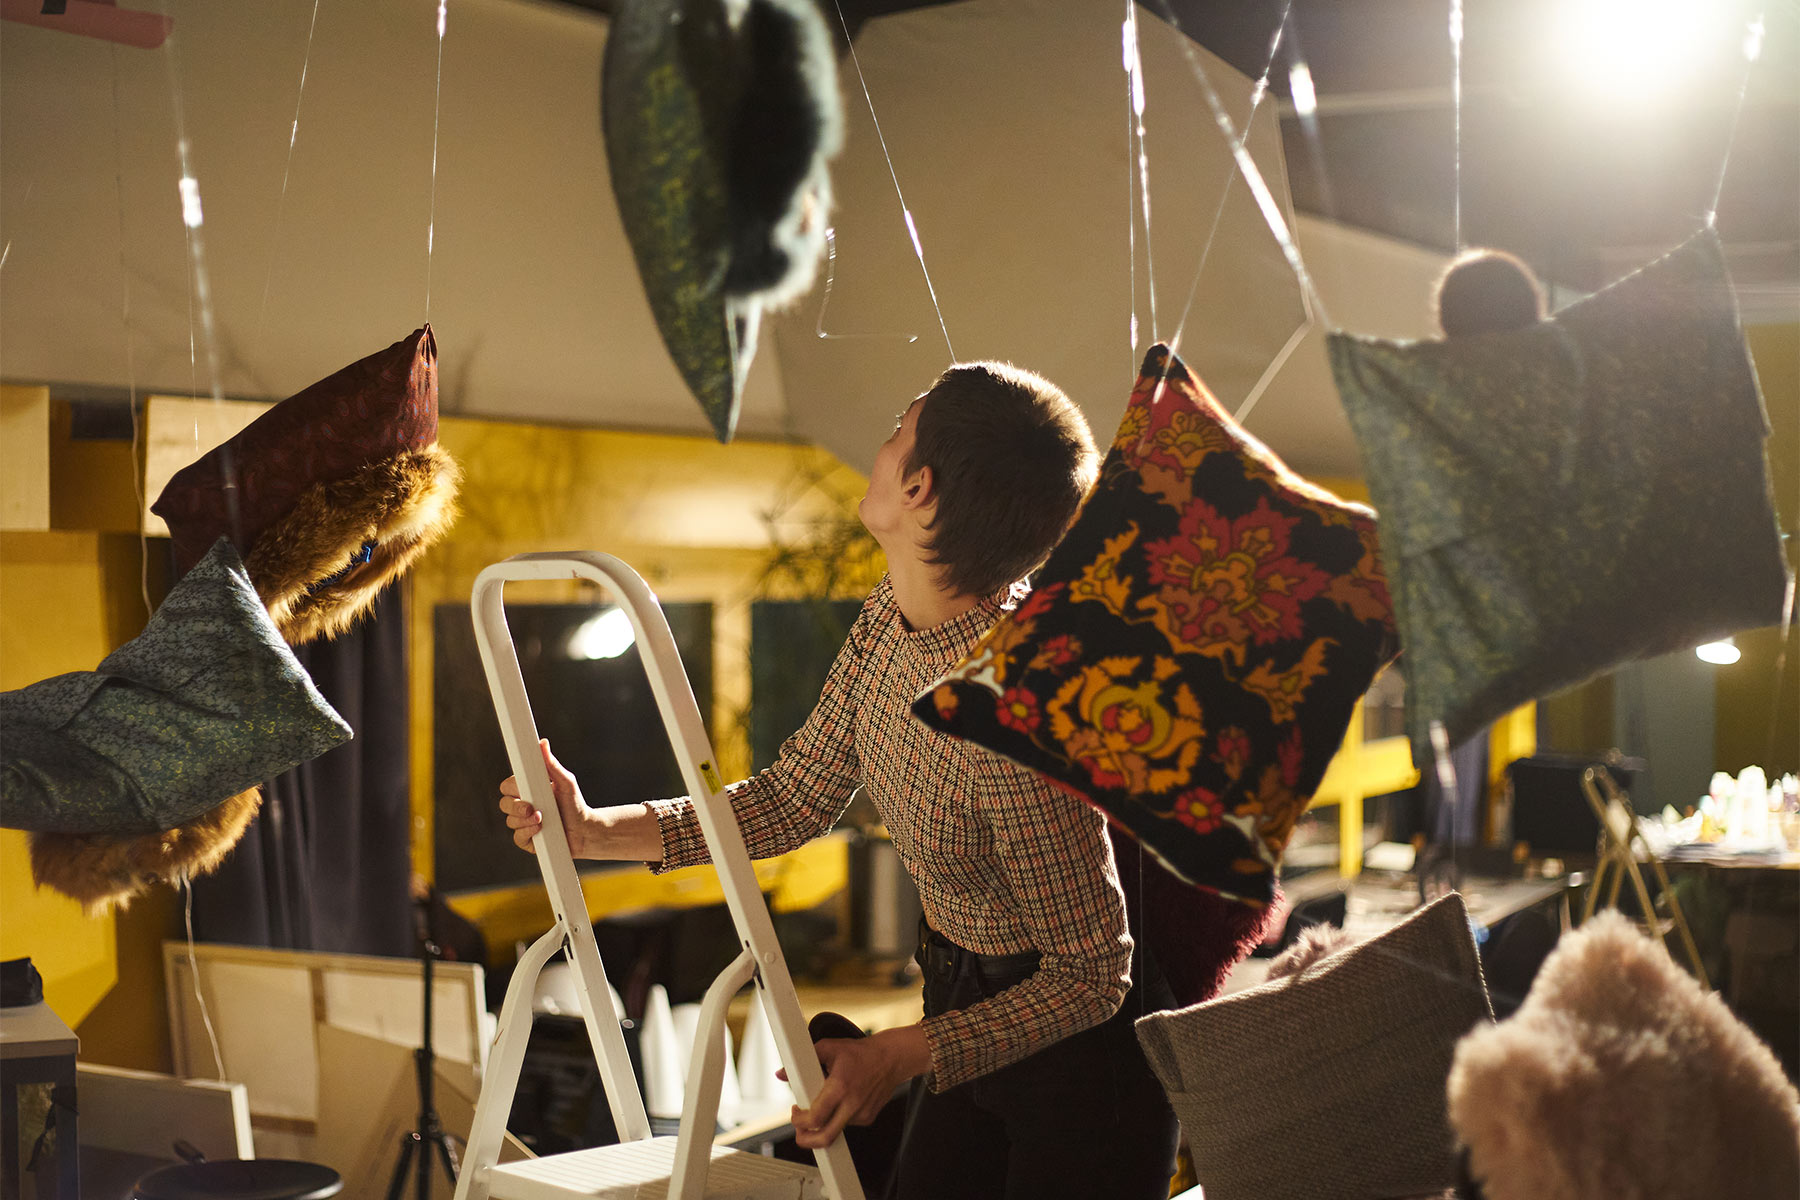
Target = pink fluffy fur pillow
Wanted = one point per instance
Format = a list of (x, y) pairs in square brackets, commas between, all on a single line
[(1620, 1077)]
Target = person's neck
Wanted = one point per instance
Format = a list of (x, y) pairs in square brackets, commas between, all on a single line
[(922, 600)]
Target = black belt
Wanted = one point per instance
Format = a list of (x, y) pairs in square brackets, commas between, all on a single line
[(938, 955)]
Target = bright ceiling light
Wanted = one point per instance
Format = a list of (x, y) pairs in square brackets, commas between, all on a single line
[(1720, 654), (606, 634), (1300, 87), (1630, 50)]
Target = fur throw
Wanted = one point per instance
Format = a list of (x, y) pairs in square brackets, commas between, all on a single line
[(1620, 1077), (1197, 937), (104, 869), (309, 565), (1313, 944)]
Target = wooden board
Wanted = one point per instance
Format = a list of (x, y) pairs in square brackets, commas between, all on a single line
[(273, 1011), (145, 1113), (179, 429), (369, 1099), (24, 458)]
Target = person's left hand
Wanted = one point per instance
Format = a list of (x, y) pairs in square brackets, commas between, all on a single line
[(860, 1077)]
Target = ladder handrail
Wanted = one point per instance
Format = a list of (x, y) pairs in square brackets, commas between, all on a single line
[(518, 729), (694, 754)]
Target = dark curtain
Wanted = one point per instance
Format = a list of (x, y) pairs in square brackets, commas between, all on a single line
[(326, 865)]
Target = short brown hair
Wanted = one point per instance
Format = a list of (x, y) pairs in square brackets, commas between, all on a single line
[(1011, 459), (1486, 291)]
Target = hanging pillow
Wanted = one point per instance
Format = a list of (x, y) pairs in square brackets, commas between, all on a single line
[(1560, 499), (330, 495), (719, 120), (145, 767), (1191, 654)]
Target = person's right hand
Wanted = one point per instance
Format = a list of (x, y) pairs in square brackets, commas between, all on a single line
[(525, 820)]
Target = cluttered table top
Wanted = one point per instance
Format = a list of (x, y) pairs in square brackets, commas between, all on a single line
[(1377, 901)]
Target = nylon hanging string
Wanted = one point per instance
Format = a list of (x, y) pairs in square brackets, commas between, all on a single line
[(1753, 40), (193, 220), (1130, 188), (212, 1035), (1257, 93), (137, 482), (1134, 68), (912, 228), (1253, 176), (1456, 96), (287, 168), (437, 107), (825, 301)]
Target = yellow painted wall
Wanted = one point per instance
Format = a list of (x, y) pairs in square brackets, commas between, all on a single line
[(59, 611), (1751, 723), (68, 597), (700, 522)]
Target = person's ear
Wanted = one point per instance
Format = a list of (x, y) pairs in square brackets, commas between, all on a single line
[(918, 490)]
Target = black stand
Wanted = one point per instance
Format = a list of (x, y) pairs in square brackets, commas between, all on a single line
[(429, 1133)]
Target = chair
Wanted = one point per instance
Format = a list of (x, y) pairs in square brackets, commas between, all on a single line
[(1621, 846)]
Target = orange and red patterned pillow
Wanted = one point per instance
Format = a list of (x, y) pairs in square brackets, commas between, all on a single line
[(1193, 650)]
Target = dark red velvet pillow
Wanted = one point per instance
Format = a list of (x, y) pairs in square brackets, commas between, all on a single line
[(330, 494)]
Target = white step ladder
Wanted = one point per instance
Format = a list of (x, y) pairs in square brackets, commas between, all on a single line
[(689, 1166)]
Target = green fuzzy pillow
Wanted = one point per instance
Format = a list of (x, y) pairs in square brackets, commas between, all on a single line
[(1559, 499)]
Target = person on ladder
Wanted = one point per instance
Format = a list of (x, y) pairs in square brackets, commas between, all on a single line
[(1027, 1076)]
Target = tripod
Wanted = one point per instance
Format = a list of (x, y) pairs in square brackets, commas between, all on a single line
[(429, 1132)]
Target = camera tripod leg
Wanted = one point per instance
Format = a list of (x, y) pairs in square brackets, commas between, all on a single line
[(446, 1155), (408, 1143)]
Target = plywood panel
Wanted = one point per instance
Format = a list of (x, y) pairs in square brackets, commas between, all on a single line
[(144, 1112), (274, 1010), (24, 458), (179, 429), (388, 1007)]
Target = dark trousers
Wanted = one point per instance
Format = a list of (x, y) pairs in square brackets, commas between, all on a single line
[(1083, 1119)]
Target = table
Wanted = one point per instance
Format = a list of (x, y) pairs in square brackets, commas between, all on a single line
[(1376, 904), (36, 1047)]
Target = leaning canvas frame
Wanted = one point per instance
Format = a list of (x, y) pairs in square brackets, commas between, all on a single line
[(267, 1006)]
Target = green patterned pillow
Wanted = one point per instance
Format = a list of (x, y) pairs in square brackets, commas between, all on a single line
[(1192, 652), (206, 702), (1559, 499), (718, 120)]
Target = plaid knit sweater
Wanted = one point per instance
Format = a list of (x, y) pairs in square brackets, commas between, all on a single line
[(1003, 862)]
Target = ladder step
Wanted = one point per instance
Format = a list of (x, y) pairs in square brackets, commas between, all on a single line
[(641, 1170)]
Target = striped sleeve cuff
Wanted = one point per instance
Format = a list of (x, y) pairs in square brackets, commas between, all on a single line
[(682, 840)]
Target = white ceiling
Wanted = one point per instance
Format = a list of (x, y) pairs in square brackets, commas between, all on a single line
[(1005, 121)]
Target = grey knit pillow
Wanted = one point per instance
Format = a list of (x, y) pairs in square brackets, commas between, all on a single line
[(1328, 1083)]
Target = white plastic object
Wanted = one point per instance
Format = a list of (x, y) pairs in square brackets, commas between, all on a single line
[(689, 1163)]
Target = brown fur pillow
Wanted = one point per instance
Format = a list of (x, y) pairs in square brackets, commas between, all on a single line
[(330, 494), (1620, 1077), (104, 869)]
